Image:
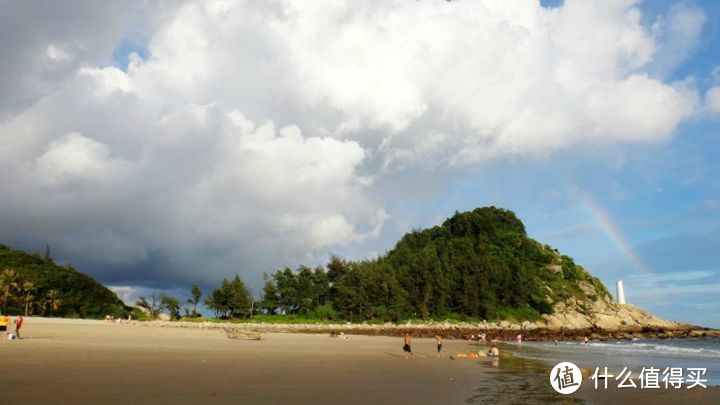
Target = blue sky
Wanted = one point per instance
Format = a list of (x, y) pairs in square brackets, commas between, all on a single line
[(128, 46), (249, 137), (663, 198)]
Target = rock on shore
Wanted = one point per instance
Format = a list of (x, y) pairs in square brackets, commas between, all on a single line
[(603, 314)]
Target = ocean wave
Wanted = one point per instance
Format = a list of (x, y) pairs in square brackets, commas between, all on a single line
[(650, 348)]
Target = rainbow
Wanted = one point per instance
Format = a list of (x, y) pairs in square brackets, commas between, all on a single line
[(612, 230)]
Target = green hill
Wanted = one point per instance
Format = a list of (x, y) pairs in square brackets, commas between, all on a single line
[(482, 264), (48, 289), (476, 265)]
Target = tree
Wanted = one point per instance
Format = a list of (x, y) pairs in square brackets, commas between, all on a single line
[(52, 301), (9, 284), (47, 256), (194, 300), (231, 300), (287, 290), (171, 305), (152, 307), (217, 301), (337, 267), (269, 301), (321, 287), (241, 301), (350, 295), (304, 290), (28, 298)]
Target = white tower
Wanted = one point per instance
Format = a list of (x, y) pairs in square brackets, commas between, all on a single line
[(620, 292)]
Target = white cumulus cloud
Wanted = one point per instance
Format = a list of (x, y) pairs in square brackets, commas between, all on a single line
[(249, 134)]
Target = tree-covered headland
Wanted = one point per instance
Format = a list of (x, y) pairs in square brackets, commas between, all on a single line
[(478, 264), (32, 284)]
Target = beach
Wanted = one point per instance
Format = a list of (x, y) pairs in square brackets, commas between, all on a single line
[(85, 361)]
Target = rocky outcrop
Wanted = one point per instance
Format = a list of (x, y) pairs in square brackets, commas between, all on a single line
[(602, 314)]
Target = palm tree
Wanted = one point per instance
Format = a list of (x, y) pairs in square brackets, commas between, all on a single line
[(9, 283), (29, 288), (52, 299)]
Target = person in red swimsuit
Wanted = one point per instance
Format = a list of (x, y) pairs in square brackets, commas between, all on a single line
[(18, 325)]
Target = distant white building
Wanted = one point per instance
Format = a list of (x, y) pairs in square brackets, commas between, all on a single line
[(620, 292)]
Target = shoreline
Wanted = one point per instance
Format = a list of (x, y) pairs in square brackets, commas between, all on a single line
[(504, 331), (538, 390)]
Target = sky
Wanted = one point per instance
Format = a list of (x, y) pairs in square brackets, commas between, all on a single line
[(161, 144)]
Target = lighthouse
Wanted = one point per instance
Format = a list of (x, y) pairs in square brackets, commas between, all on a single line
[(620, 292)]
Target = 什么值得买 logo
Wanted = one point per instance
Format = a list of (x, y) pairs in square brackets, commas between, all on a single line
[(565, 377)]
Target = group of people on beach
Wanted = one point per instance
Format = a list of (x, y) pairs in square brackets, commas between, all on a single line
[(492, 352), (5, 324)]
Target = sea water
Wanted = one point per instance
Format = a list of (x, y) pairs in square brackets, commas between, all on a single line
[(703, 353)]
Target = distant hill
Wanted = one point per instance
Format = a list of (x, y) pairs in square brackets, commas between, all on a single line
[(481, 263), (475, 265), (48, 289)]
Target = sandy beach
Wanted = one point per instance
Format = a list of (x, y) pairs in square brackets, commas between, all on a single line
[(82, 361), (85, 361)]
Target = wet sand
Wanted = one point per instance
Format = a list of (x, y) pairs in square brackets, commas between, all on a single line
[(527, 381), (81, 361), (695, 396)]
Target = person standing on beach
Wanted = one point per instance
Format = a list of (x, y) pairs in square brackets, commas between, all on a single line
[(587, 341), (18, 325), (406, 347), (519, 338), (438, 340)]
